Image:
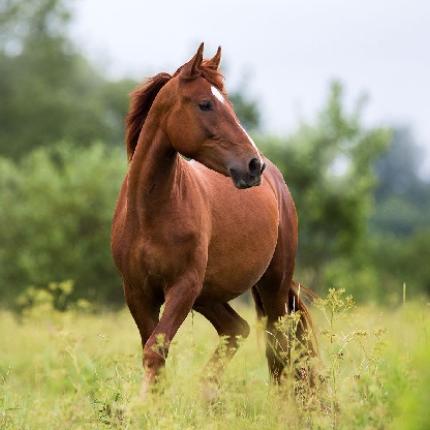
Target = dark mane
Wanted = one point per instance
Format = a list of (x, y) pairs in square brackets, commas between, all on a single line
[(143, 97), (141, 101)]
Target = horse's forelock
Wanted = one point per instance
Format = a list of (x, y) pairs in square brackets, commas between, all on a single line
[(213, 76)]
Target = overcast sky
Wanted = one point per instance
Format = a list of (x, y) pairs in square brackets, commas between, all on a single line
[(285, 52)]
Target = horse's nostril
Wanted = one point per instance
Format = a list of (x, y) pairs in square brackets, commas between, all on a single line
[(255, 167)]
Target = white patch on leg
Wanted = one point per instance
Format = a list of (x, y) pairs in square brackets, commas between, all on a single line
[(217, 93)]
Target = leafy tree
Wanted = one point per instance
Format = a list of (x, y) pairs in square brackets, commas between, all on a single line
[(328, 166), (55, 218), (400, 223), (398, 168), (246, 110), (402, 194), (50, 92)]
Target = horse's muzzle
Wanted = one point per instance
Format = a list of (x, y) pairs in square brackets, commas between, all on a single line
[(244, 180)]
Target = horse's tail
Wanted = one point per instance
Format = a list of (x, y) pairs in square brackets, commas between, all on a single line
[(297, 295), (259, 308)]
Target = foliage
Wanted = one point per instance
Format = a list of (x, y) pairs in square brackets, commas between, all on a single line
[(363, 205), (246, 109), (402, 195), (328, 166), (49, 91), (55, 298), (83, 371), (402, 260), (55, 217)]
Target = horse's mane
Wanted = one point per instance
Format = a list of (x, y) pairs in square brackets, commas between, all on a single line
[(141, 100), (142, 97)]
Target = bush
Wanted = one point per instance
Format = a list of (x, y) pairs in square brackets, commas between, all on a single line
[(55, 217), (327, 164)]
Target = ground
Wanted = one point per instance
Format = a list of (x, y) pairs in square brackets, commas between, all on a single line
[(82, 370)]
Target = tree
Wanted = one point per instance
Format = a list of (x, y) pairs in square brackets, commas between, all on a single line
[(246, 109), (402, 195), (50, 92), (55, 218), (328, 166)]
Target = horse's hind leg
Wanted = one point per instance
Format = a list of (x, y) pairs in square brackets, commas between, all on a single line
[(274, 297), (229, 326), (274, 302), (271, 298)]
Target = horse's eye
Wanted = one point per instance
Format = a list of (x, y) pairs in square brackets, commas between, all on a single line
[(205, 105)]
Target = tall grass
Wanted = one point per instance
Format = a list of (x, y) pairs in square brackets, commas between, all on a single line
[(80, 370)]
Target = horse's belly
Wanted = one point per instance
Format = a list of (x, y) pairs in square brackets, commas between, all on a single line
[(244, 236)]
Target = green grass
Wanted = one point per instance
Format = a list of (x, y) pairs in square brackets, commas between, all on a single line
[(75, 370)]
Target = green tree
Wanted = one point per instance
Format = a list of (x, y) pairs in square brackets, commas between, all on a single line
[(55, 218), (402, 195), (49, 91), (246, 109), (400, 222), (328, 166)]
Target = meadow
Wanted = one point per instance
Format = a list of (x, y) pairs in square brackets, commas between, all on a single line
[(78, 369)]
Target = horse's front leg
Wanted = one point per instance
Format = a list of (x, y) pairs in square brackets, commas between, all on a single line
[(179, 299)]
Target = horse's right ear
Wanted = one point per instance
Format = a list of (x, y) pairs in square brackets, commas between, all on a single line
[(213, 63), (191, 69)]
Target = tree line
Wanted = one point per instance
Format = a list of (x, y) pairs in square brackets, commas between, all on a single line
[(364, 208)]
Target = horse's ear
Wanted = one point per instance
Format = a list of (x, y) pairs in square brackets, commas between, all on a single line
[(191, 68), (214, 62)]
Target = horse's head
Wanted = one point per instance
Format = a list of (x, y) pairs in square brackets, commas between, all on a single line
[(201, 124)]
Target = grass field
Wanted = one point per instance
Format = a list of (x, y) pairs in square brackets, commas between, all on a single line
[(80, 370)]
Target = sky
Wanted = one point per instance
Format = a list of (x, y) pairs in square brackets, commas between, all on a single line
[(282, 52)]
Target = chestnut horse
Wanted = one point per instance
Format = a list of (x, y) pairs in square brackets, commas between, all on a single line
[(196, 234)]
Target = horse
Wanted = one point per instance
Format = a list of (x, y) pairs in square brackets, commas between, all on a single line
[(202, 216)]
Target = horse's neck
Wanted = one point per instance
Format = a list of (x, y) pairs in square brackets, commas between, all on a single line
[(154, 176)]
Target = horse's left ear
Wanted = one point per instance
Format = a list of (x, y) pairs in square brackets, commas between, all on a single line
[(191, 68), (214, 62)]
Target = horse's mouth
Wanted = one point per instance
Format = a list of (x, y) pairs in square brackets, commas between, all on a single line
[(243, 183)]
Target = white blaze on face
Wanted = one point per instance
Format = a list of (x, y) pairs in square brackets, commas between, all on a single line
[(251, 141), (217, 93), (248, 136)]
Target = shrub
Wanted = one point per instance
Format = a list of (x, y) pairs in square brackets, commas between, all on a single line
[(55, 218)]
